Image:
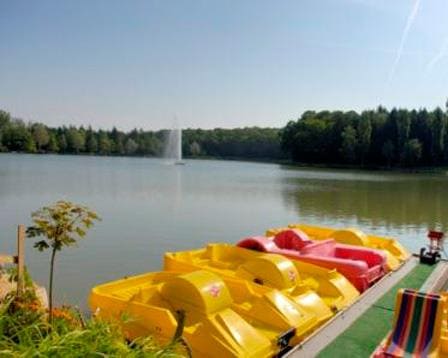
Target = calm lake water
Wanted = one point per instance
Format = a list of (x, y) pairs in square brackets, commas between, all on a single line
[(149, 207)]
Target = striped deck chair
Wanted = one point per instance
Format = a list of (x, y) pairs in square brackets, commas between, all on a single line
[(417, 325)]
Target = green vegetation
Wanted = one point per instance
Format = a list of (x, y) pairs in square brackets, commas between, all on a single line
[(363, 336), (253, 143), (28, 329), (61, 224), (396, 138), (373, 138), (25, 332)]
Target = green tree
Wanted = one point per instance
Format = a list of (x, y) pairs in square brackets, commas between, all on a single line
[(53, 146), (403, 124), (412, 152), (75, 140), (61, 224), (40, 135), (62, 143), (438, 132), (4, 121), (30, 145), (5, 118), (364, 130), (388, 152), (17, 137), (349, 144), (91, 141), (104, 143), (131, 147), (117, 139), (195, 149)]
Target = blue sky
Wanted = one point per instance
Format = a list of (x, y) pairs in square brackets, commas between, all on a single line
[(217, 63)]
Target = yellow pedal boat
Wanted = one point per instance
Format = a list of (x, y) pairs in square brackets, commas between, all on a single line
[(395, 252), (317, 291), (214, 327)]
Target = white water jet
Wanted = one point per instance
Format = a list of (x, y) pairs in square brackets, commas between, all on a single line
[(173, 146)]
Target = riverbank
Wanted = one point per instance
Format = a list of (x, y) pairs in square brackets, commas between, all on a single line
[(284, 162)]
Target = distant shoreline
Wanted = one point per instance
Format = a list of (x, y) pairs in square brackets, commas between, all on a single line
[(283, 162)]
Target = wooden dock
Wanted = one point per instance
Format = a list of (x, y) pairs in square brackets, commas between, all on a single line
[(313, 345)]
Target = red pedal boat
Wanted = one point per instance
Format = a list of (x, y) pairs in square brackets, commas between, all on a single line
[(361, 266)]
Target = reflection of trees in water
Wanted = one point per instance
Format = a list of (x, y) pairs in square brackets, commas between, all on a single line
[(421, 202)]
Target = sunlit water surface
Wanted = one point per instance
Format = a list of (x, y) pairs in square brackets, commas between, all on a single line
[(149, 207)]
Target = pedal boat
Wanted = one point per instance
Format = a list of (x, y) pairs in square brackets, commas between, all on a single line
[(361, 266), (149, 304), (396, 253), (315, 291)]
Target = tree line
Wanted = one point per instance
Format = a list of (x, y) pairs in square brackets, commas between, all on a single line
[(372, 138), (17, 135), (399, 137)]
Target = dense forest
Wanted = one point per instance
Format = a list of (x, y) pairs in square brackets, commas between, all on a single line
[(17, 135), (373, 138)]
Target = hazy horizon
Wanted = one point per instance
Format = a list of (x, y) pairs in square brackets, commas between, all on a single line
[(222, 64)]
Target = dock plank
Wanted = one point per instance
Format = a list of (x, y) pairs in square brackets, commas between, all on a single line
[(377, 302)]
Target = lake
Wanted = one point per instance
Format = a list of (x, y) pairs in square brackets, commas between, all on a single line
[(149, 206)]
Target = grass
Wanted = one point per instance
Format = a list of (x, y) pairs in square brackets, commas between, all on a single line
[(364, 335), (25, 332)]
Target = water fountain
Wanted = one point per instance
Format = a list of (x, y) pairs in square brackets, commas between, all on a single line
[(173, 146)]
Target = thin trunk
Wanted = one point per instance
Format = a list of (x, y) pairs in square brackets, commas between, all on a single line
[(53, 254)]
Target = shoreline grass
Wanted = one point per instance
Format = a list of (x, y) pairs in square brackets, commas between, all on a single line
[(25, 331)]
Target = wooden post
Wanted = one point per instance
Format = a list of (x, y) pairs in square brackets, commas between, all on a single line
[(20, 259)]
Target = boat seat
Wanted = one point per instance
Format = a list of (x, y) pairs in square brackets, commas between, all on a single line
[(417, 326), (321, 248), (292, 240)]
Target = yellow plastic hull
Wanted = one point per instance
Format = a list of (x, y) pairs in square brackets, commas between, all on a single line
[(395, 252), (316, 292), (215, 325)]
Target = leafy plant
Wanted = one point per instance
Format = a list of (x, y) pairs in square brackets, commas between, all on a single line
[(25, 333), (61, 225)]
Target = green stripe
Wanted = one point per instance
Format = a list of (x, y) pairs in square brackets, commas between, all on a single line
[(416, 324)]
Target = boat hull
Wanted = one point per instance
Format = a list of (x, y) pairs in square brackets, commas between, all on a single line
[(149, 304), (316, 292)]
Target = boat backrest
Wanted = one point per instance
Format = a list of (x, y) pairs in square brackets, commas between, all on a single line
[(292, 239), (417, 324), (320, 248), (258, 243), (199, 291)]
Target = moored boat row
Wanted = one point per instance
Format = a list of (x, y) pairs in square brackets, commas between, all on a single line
[(238, 301)]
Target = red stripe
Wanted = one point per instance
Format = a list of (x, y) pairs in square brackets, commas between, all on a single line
[(424, 326)]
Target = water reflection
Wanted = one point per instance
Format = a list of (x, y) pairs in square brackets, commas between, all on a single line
[(389, 200), (149, 208)]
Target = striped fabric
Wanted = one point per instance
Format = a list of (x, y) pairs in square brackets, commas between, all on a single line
[(413, 333)]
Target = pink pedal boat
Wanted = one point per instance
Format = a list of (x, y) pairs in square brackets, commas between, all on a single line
[(361, 266)]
